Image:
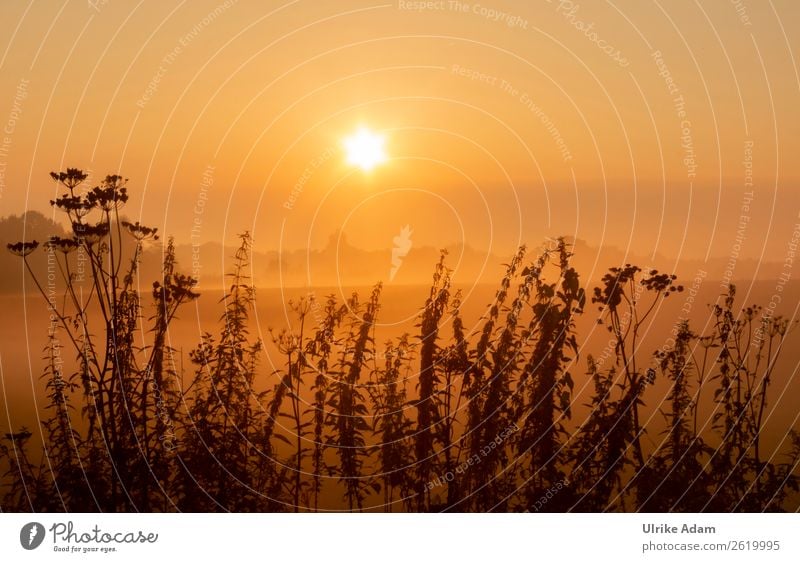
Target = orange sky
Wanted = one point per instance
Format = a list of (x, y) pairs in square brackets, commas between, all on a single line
[(505, 121)]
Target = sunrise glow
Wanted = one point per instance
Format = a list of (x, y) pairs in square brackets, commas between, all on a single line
[(365, 149)]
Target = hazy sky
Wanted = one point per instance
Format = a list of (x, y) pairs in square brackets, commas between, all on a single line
[(633, 123)]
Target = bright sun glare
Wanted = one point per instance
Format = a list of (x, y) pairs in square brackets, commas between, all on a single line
[(365, 149)]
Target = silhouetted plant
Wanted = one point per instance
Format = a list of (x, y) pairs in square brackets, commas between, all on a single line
[(391, 425), (455, 364), (546, 380), (429, 401), (676, 470), (223, 424), (600, 444), (476, 387), (749, 344), (24, 480), (619, 306), (320, 350), (117, 452), (348, 414)]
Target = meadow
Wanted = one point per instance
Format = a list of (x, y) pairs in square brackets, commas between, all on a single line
[(639, 392)]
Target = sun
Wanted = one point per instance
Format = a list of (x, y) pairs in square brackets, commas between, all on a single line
[(365, 149)]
